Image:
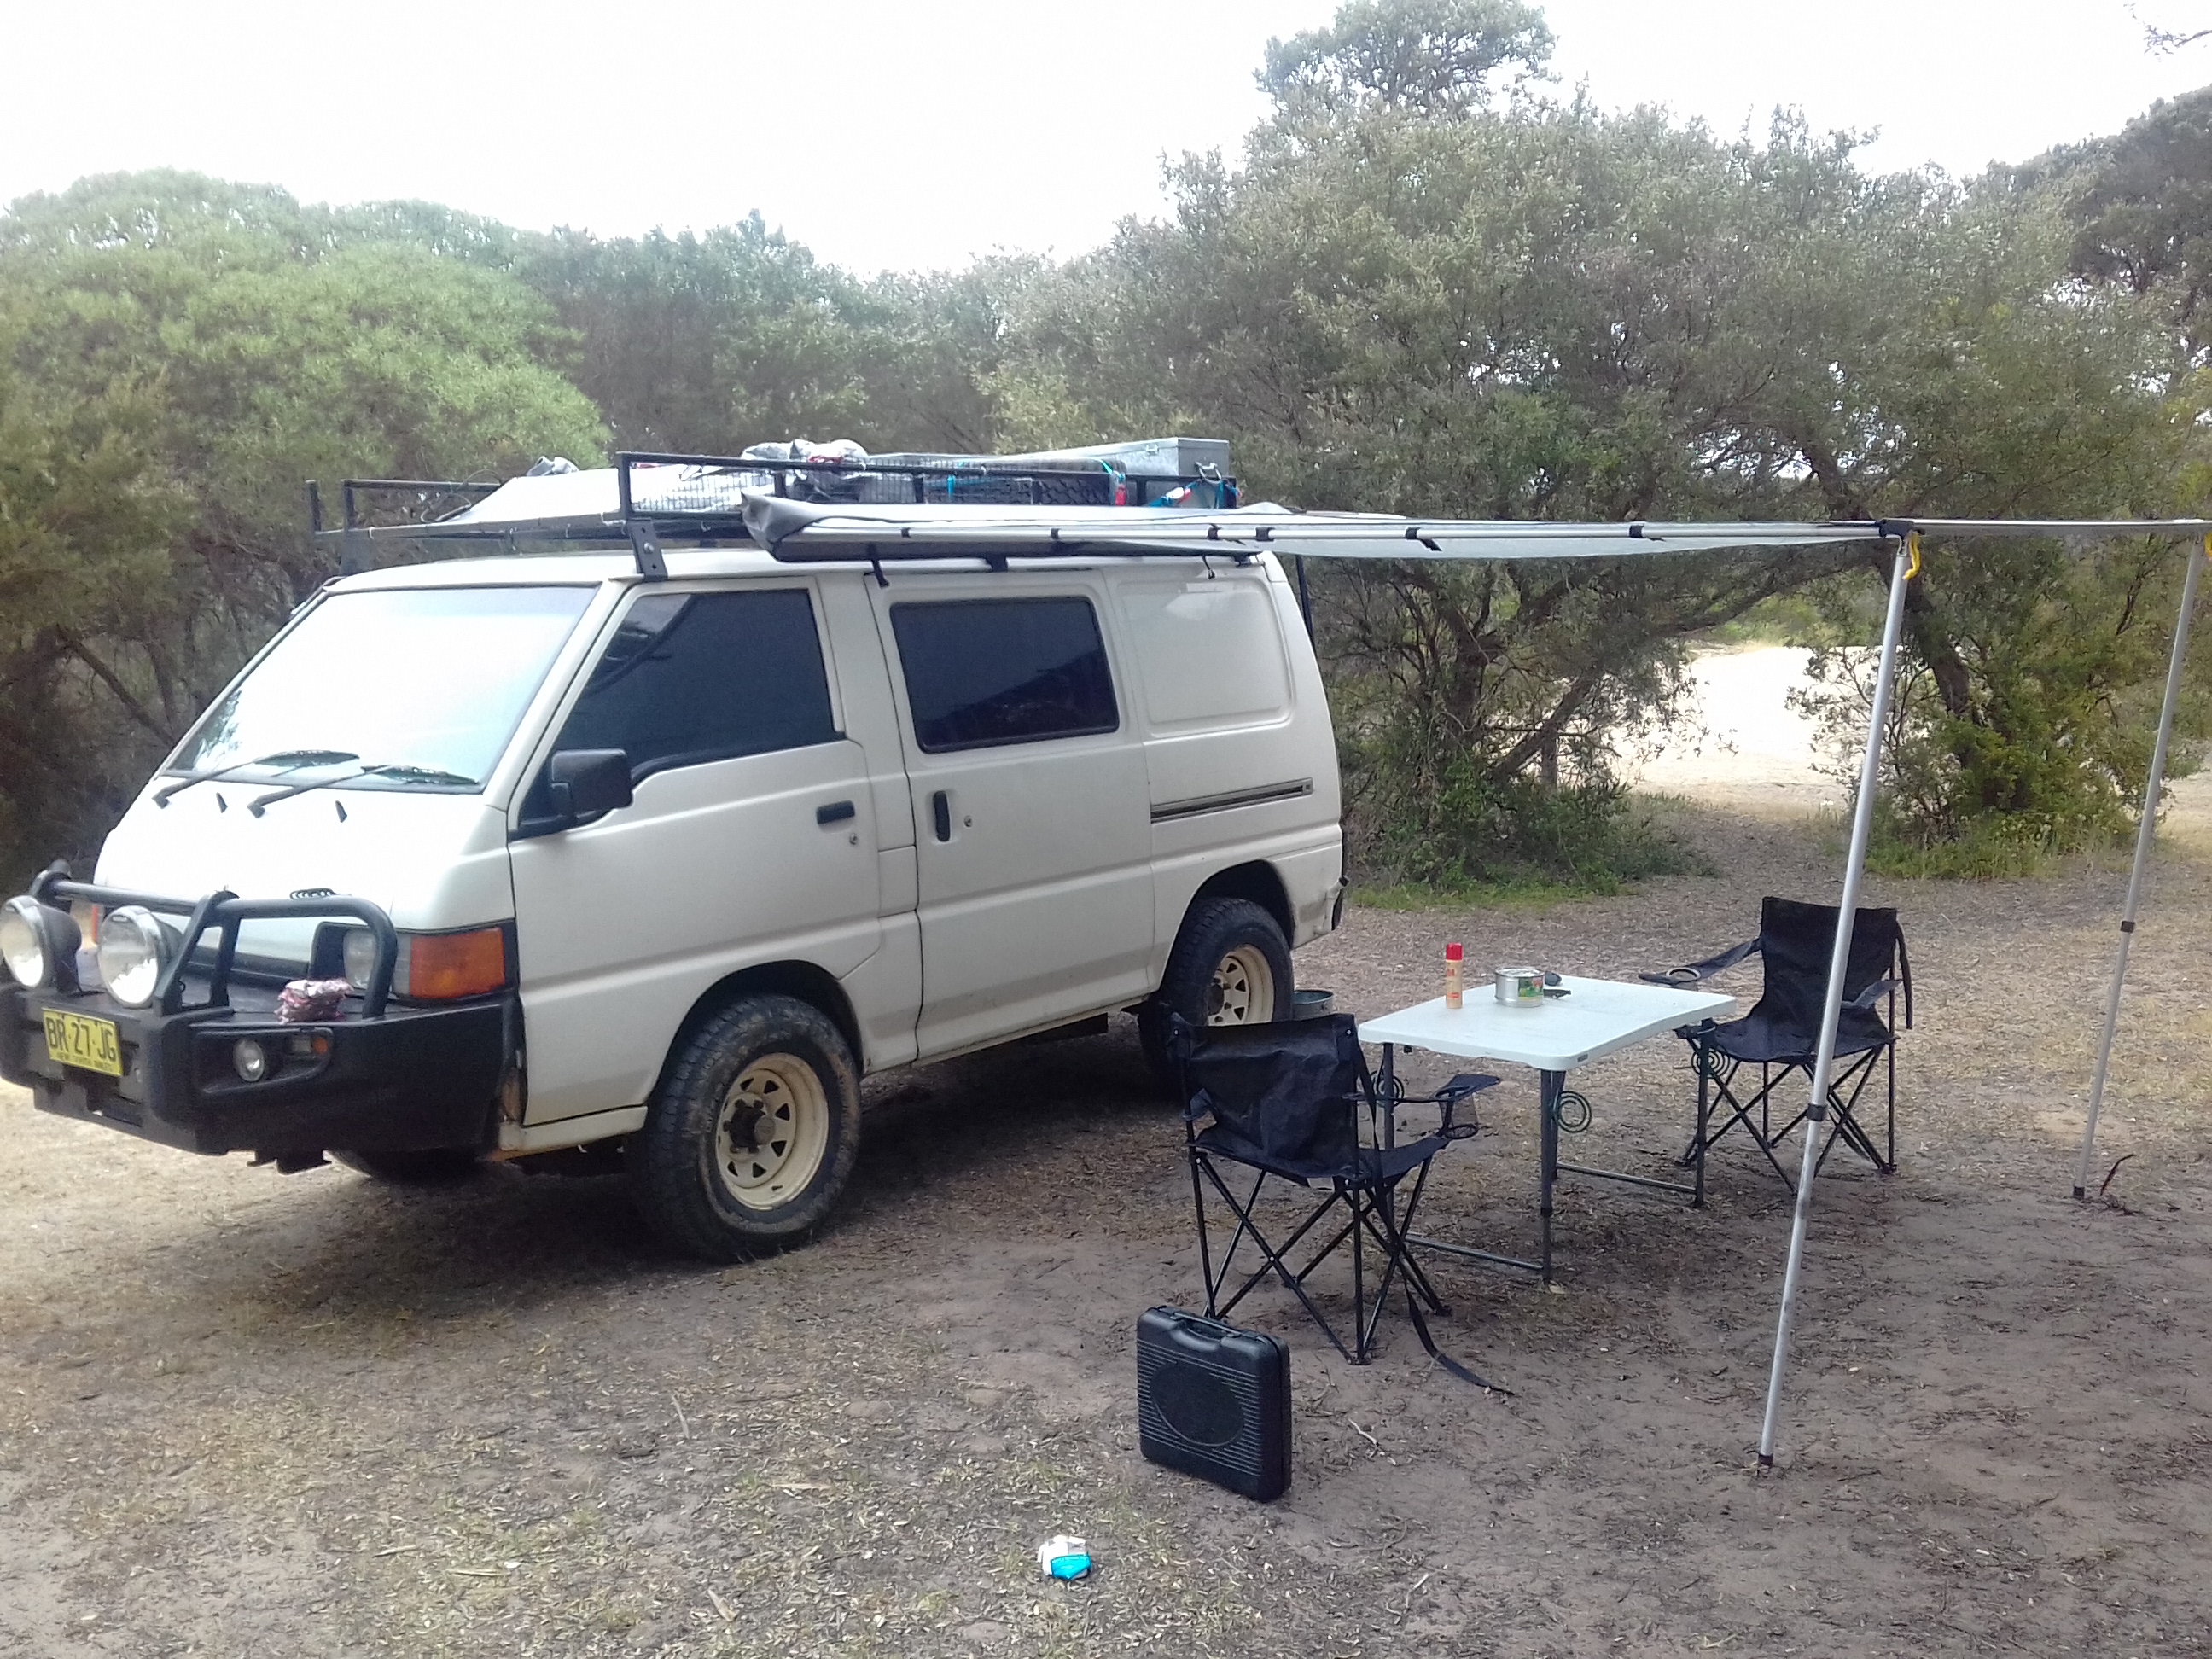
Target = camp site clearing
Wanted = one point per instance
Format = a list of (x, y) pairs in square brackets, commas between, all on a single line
[(240, 1413)]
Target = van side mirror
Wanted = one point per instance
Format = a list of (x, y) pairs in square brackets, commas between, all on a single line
[(582, 785)]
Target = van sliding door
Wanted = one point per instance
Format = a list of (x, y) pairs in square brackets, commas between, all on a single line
[(1029, 801)]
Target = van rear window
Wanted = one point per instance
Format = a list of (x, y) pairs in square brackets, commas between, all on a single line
[(981, 672), (1211, 654)]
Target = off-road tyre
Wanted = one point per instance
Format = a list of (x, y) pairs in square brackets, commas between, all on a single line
[(752, 1133), (438, 1166), (1230, 966)]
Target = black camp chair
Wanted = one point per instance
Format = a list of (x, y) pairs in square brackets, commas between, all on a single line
[(1781, 1035), (1284, 1101)]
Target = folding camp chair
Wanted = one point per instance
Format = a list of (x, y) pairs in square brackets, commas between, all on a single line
[(1283, 1102), (1781, 1035)]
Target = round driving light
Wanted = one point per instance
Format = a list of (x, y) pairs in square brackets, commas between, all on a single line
[(23, 943), (249, 1060), (134, 947), (38, 944)]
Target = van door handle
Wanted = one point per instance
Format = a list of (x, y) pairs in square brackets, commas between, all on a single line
[(836, 812), (940, 812)]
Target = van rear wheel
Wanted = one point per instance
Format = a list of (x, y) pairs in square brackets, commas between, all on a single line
[(1230, 966), (753, 1137)]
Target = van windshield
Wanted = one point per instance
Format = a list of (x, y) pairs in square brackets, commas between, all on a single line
[(405, 689)]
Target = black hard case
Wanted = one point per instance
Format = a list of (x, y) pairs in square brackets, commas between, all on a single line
[(1214, 1402)]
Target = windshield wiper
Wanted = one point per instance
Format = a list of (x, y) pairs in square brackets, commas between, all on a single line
[(284, 760), (421, 775), (405, 774)]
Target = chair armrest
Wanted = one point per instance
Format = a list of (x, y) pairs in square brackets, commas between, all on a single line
[(1448, 1100), (1874, 994), (1904, 974), (1693, 973), (1455, 1093), (1466, 1083)]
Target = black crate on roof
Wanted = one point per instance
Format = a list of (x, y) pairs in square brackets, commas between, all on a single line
[(979, 489), (1042, 487)]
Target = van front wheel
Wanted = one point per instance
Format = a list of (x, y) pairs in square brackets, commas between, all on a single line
[(1230, 966), (751, 1138)]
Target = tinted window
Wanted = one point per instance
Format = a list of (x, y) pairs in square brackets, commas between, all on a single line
[(703, 677), (1004, 670)]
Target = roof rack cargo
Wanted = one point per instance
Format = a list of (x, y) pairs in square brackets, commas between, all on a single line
[(649, 498)]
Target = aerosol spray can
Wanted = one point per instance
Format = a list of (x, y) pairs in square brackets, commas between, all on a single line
[(1454, 979)]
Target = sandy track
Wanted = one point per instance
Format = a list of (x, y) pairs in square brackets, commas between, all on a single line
[(242, 1413), (1741, 746), (1739, 743)]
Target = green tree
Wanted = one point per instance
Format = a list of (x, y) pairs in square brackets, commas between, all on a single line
[(711, 343), (1415, 299), (1430, 290), (214, 347), (2141, 203), (1428, 55), (705, 343), (86, 517), (1426, 285)]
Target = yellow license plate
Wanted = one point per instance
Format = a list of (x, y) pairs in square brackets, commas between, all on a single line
[(81, 1040)]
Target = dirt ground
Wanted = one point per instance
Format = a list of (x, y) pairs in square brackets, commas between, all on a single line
[(243, 1414)]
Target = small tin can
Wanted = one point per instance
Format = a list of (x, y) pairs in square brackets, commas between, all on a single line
[(1521, 986)]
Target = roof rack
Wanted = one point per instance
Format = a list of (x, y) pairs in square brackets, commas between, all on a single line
[(660, 498), (433, 497)]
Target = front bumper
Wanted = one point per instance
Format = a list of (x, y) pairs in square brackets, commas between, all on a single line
[(376, 1077), (412, 1079)]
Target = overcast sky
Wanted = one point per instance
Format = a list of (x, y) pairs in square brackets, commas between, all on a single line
[(915, 133)]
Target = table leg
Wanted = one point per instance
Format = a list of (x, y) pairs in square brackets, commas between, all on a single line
[(1386, 1082), (1704, 1117), (1549, 1088), (1385, 1078)]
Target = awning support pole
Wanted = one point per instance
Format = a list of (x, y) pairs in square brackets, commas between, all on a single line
[(2146, 834), (1906, 567)]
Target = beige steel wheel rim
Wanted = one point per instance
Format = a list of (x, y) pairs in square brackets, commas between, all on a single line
[(772, 1132), (1242, 992)]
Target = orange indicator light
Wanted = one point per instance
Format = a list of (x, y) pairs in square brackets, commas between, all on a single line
[(443, 966)]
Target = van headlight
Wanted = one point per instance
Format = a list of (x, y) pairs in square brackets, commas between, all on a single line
[(135, 946), (432, 966), (38, 944), (359, 959)]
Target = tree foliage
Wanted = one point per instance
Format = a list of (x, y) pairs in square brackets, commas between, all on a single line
[(1434, 56), (1417, 298), (86, 521), (207, 349), (706, 343), (1428, 283)]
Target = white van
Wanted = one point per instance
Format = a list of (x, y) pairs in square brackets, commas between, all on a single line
[(630, 843)]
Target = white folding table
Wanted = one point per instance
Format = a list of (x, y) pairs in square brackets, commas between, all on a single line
[(1596, 1017)]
